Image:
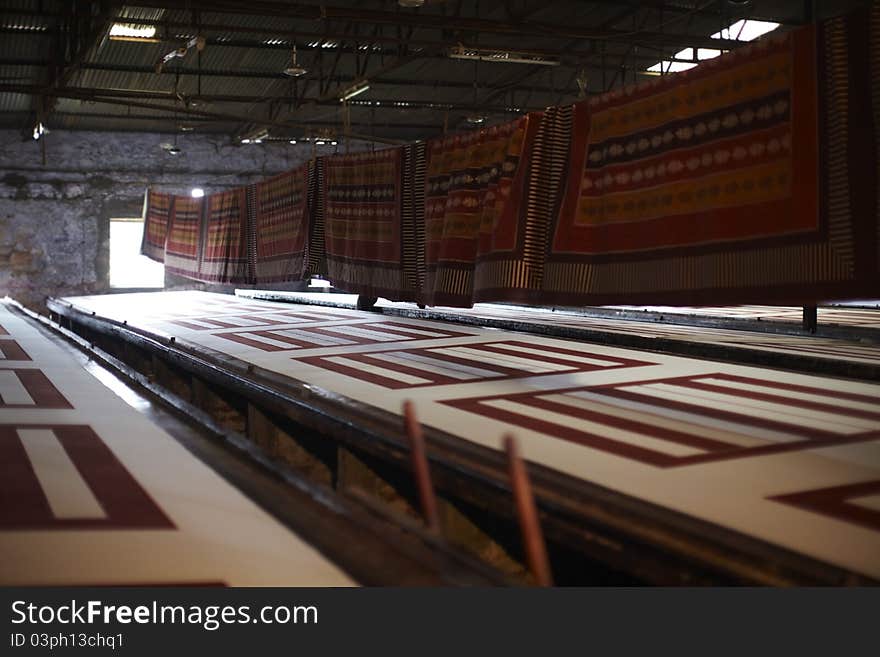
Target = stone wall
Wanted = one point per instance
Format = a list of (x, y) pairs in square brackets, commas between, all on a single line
[(54, 216)]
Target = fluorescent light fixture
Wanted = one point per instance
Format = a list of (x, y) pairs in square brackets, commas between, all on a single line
[(475, 119), (742, 30), (320, 142), (411, 3), (129, 32), (39, 130), (505, 56), (197, 192), (333, 143), (254, 136), (293, 141), (354, 90)]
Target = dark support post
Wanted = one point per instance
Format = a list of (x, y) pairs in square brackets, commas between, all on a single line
[(421, 470), (366, 303), (527, 513), (811, 318)]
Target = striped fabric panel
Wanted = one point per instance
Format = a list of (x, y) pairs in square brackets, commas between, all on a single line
[(468, 216), (836, 128), (185, 237), (251, 201), (280, 217), (225, 250), (157, 212), (413, 218), (368, 222), (519, 277), (317, 250)]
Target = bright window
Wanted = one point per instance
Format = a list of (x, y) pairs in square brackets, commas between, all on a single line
[(128, 268), (744, 30)]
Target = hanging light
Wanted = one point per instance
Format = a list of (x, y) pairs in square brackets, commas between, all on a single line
[(411, 3), (293, 69), (582, 81), (475, 117)]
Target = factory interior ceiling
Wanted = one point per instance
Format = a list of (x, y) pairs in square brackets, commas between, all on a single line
[(383, 71), (631, 340)]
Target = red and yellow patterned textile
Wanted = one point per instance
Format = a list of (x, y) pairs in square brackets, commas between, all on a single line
[(473, 189), (281, 226), (225, 252), (747, 179), (362, 209), (183, 247), (157, 209), (752, 178)]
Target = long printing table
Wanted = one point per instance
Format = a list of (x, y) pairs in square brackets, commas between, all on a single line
[(790, 460), (93, 493)]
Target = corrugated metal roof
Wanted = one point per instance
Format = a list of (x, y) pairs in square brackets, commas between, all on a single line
[(14, 102), (30, 46), (246, 54)]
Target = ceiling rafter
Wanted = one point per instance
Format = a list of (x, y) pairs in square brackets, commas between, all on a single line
[(402, 53), (459, 24)]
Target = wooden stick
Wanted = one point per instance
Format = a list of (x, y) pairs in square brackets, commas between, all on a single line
[(527, 513), (421, 470)]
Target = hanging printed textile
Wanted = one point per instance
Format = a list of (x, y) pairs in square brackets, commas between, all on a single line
[(362, 216), (473, 189), (751, 178), (225, 252), (157, 208), (316, 247), (183, 246), (281, 226)]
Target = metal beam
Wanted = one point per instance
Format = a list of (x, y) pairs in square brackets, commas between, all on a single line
[(386, 103), (189, 111), (341, 79), (84, 28), (457, 24)]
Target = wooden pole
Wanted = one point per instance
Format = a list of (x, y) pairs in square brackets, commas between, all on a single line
[(527, 513), (421, 470)]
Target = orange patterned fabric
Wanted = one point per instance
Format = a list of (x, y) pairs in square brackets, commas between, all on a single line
[(717, 185), (470, 215), (362, 199)]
